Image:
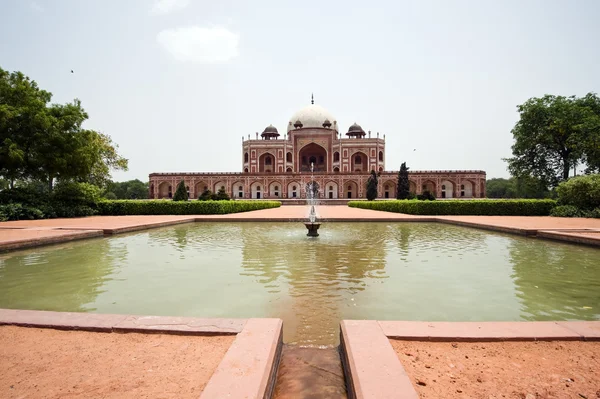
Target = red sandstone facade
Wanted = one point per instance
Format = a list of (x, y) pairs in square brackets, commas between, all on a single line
[(275, 168)]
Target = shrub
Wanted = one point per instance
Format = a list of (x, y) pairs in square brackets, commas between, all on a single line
[(164, 207), (222, 195), (181, 193), (19, 212), (426, 196), (566, 211), (581, 191), (206, 195), (462, 207)]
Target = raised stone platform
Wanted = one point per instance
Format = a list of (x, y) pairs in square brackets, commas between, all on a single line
[(373, 369), (247, 370)]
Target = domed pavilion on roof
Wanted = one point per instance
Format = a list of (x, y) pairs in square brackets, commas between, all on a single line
[(280, 168)]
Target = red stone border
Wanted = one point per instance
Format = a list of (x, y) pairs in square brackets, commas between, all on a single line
[(248, 369), (62, 236), (373, 370), (371, 366)]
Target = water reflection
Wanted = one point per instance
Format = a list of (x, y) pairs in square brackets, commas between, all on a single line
[(383, 271), (555, 281), (66, 277), (313, 280)]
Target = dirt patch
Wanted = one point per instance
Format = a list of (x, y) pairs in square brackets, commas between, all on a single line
[(46, 363), (524, 370)]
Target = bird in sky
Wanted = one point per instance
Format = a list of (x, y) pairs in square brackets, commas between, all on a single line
[(71, 71)]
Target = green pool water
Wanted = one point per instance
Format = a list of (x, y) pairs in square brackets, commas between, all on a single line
[(384, 271)]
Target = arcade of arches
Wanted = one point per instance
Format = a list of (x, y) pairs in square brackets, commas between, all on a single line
[(280, 168)]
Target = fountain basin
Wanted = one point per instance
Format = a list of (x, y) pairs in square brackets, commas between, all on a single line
[(313, 229)]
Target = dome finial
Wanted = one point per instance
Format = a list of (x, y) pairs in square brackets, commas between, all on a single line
[(312, 98)]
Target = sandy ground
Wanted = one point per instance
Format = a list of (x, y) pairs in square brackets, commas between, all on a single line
[(524, 370), (46, 363)]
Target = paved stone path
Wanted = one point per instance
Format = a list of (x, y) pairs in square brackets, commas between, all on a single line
[(28, 233)]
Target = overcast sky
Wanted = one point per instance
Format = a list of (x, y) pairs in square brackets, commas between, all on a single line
[(170, 80)]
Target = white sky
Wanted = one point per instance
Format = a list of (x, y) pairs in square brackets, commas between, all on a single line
[(169, 80)]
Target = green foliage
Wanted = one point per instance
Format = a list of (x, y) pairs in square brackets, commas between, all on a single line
[(426, 196), (181, 193), (403, 183), (46, 142), (164, 207), (582, 192), (222, 195), (462, 207), (132, 189), (19, 212), (206, 195), (372, 186), (521, 187), (555, 134), (33, 201), (566, 211)]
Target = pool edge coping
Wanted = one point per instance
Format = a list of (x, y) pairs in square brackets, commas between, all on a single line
[(373, 369), (564, 235), (248, 368)]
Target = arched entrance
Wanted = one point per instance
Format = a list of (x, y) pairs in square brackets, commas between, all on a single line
[(266, 163), (389, 189), (315, 154), (199, 188), (466, 189), (331, 190), (359, 162), (257, 190), (412, 186), (237, 190), (447, 189), (275, 190), (293, 190), (428, 185), (165, 190), (351, 189)]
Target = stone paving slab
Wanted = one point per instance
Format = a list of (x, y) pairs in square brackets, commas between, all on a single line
[(525, 223), (182, 325), (479, 331), (589, 330), (578, 237), (371, 366), (249, 368), (109, 224), (60, 320), (11, 239)]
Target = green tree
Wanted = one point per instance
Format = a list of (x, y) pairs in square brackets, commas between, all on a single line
[(181, 193), (554, 134), (132, 189), (403, 184), (521, 187), (22, 117), (372, 186), (46, 142)]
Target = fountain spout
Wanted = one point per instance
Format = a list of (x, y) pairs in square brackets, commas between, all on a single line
[(312, 225)]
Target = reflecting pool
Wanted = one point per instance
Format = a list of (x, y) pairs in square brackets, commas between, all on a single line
[(384, 271)]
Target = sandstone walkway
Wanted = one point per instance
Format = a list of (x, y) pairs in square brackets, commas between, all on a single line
[(29, 233)]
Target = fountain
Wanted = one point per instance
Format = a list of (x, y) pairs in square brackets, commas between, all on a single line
[(312, 224)]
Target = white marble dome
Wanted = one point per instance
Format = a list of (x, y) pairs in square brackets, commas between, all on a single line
[(312, 116)]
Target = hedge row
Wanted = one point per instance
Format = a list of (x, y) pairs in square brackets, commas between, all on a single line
[(166, 207), (524, 207)]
